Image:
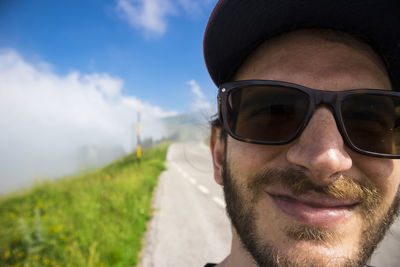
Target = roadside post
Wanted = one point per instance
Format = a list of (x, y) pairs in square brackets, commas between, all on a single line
[(138, 146)]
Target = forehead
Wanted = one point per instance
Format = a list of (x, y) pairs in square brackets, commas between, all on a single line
[(320, 59)]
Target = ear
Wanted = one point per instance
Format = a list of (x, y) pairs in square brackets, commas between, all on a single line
[(217, 146)]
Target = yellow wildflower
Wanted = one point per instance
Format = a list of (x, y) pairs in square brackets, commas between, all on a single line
[(7, 254), (39, 204)]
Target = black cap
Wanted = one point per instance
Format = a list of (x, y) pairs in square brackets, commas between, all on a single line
[(236, 27)]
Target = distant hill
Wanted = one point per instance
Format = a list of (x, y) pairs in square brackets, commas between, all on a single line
[(185, 127)]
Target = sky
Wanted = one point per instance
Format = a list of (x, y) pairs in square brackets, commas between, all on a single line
[(73, 73)]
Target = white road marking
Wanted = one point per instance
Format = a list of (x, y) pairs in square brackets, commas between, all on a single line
[(203, 189), (179, 169), (219, 201)]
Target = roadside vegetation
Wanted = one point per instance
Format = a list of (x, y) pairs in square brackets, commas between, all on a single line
[(91, 219)]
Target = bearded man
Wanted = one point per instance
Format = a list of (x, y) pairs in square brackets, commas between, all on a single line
[(307, 139)]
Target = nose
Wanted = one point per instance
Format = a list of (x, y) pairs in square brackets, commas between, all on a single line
[(320, 149)]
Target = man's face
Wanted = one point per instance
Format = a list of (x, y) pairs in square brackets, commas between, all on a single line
[(312, 202)]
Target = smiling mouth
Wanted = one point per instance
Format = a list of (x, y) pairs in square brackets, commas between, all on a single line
[(314, 209)]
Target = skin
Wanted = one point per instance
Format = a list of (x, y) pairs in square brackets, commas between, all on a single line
[(307, 59)]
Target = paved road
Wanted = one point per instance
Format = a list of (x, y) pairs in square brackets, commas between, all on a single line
[(388, 253), (190, 227)]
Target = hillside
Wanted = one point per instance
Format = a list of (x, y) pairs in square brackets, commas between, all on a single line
[(91, 219), (187, 126)]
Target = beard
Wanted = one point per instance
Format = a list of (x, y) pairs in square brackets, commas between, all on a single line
[(243, 215)]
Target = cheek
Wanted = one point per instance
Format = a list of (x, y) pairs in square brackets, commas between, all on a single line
[(393, 181), (247, 159), (383, 173)]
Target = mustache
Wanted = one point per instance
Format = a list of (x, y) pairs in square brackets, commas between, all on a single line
[(298, 183)]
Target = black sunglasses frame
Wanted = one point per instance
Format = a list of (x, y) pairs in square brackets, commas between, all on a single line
[(317, 98)]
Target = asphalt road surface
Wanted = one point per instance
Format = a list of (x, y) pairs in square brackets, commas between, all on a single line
[(190, 226), (388, 253)]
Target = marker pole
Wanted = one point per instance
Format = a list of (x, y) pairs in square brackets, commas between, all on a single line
[(139, 145)]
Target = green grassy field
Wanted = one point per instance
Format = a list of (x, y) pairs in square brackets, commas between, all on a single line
[(91, 219)]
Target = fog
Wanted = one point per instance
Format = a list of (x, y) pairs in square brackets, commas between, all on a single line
[(46, 119)]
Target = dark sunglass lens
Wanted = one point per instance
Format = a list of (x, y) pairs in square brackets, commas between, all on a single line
[(372, 122), (266, 113)]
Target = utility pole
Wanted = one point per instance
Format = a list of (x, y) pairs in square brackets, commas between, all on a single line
[(138, 146)]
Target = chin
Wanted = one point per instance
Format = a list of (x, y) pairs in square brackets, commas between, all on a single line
[(337, 245), (319, 254), (311, 254)]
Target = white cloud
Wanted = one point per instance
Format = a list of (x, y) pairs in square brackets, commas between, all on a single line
[(200, 103), (189, 5), (152, 15), (147, 14), (107, 85), (45, 118)]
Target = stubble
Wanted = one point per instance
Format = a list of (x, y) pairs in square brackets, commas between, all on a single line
[(241, 211)]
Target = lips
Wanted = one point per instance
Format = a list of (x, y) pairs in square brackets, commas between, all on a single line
[(314, 209)]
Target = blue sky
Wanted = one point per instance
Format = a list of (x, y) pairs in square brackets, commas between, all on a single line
[(155, 56), (74, 72)]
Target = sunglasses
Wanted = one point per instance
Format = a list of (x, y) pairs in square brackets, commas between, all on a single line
[(276, 113)]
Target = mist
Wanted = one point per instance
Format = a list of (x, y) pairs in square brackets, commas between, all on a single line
[(49, 121)]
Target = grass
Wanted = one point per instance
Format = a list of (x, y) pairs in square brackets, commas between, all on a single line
[(91, 219)]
